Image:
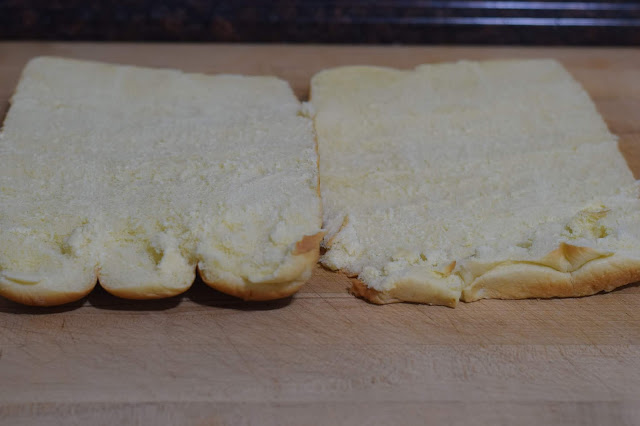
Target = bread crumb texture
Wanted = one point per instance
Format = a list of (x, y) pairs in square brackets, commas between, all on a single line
[(472, 180), (139, 176)]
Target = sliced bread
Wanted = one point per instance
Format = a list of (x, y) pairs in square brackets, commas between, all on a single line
[(472, 180), (139, 176)]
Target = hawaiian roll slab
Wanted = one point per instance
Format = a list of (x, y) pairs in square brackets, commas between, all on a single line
[(472, 180), (139, 177)]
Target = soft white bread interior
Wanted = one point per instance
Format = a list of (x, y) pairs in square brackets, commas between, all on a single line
[(472, 180), (141, 176)]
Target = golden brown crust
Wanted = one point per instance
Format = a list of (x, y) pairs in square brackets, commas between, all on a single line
[(605, 274), (568, 258), (258, 291), (147, 292), (568, 271), (449, 269), (408, 290), (530, 280), (287, 282), (361, 290), (39, 296), (308, 243)]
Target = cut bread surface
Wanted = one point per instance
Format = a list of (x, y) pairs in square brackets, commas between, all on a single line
[(472, 180), (141, 176)]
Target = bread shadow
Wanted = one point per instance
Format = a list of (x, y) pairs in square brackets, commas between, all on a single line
[(199, 293), (99, 298), (202, 294), (10, 307), (623, 287)]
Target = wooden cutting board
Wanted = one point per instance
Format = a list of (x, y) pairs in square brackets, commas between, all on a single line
[(324, 356)]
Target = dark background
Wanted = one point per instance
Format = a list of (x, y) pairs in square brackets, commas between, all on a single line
[(559, 22)]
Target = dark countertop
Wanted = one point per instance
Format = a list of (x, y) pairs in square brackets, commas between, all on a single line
[(575, 22)]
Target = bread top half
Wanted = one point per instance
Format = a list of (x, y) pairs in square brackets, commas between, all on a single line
[(437, 175), (140, 175)]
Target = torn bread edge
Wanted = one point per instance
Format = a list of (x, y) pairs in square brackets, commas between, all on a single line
[(568, 271)]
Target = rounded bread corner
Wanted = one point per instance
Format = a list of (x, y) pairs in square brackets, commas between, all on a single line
[(146, 292), (257, 292), (43, 297), (36, 61), (287, 282)]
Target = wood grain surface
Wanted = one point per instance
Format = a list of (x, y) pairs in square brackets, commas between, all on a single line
[(322, 356)]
